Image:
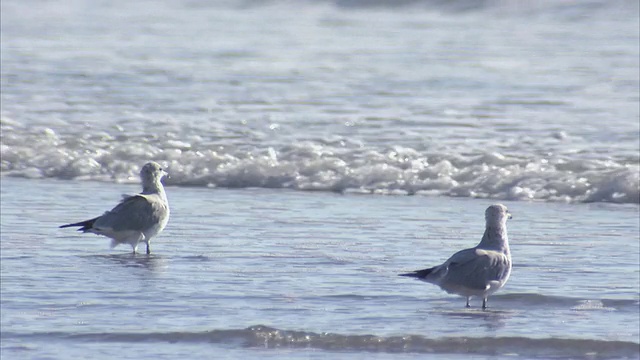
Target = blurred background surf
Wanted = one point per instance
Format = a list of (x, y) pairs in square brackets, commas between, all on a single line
[(489, 99)]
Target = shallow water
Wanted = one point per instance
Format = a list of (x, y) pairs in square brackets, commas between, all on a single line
[(274, 273)]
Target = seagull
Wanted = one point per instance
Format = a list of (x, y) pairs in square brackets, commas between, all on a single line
[(478, 271), (136, 218)]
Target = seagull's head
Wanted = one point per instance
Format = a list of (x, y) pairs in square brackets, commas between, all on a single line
[(497, 214), (152, 172)]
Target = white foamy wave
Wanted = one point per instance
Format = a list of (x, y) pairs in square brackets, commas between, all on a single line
[(318, 166)]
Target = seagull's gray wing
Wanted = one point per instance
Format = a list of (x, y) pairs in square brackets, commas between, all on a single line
[(475, 268), (137, 213)]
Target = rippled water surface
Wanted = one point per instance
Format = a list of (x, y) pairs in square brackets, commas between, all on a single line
[(237, 271)]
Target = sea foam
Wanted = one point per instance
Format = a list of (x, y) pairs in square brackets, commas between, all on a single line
[(348, 167)]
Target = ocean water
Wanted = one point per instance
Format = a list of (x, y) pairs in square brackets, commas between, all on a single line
[(316, 149), (501, 100), (263, 273)]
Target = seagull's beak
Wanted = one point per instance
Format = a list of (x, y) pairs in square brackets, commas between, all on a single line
[(509, 216)]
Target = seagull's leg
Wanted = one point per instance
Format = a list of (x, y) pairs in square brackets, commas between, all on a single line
[(468, 302), (148, 248), (484, 303)]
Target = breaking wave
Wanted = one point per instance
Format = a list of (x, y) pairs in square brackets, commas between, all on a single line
[(322, 165)]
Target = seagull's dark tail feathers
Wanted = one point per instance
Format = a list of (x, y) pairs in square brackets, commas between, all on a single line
[(420, 274), (84, 225)]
